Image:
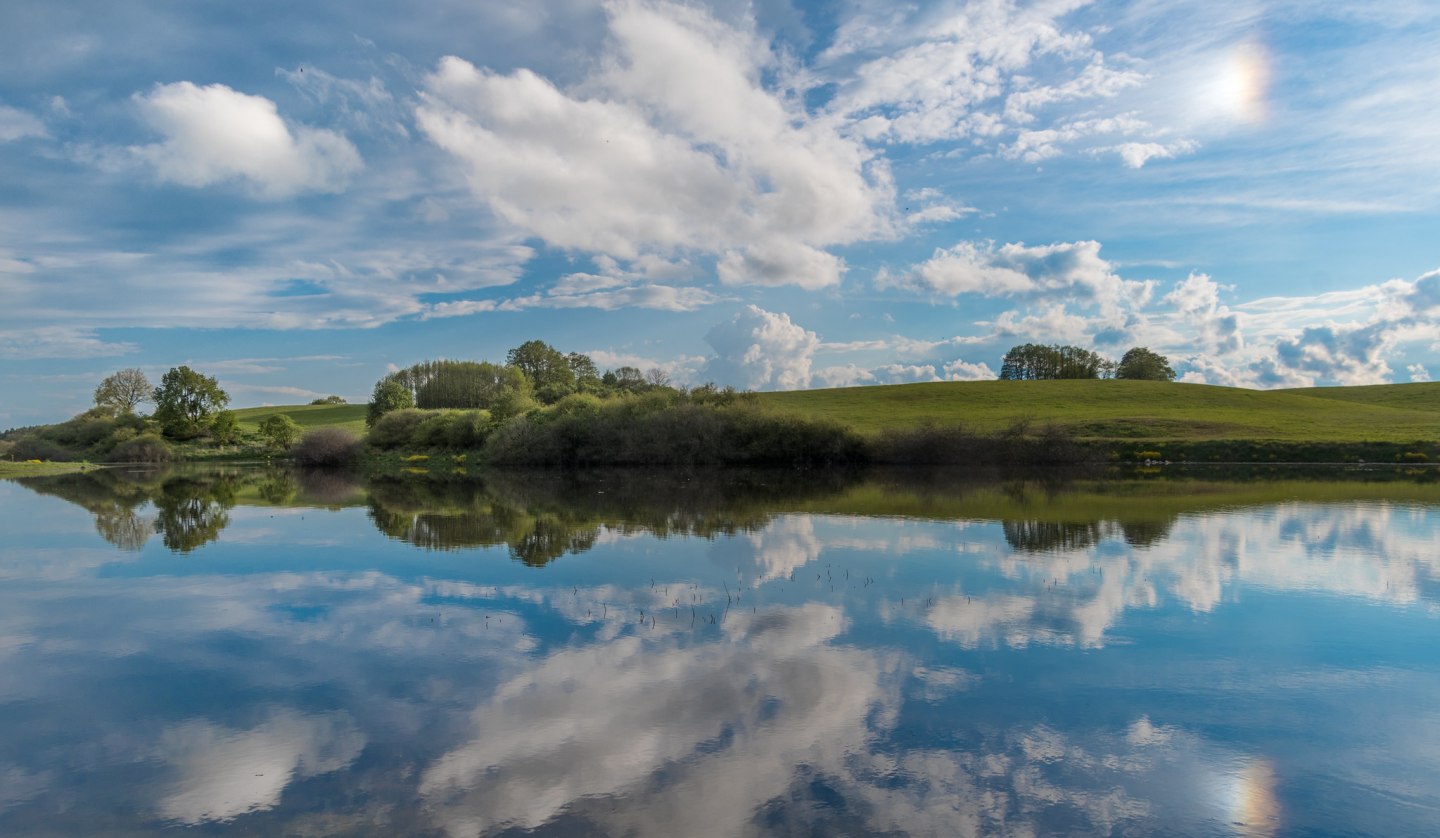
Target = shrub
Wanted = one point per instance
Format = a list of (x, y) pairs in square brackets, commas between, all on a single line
[(279, 431), (470, 429), (327, 447), (394, 429), (1415, 457), (146, 448), (434, 432), (35, 448), (1148, 455)]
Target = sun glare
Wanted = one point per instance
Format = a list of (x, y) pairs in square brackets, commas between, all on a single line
[(1238, 88)]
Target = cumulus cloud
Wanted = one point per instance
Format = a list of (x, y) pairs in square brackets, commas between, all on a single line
[(1331, 355), (1197, 299), (215, 134), (1418, 372), (758, 349), (1063, 269), (675, 145), (16, 124)]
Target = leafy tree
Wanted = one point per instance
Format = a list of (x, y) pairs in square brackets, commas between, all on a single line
[(587, 375), (329, 400), (279, 431), (186, 401), (548, 370), (225, 428), (124, 390), (1034, 362), (390, 394), (626, 379), (1141, 364)]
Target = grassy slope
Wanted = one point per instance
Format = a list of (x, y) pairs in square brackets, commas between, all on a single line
[(1424, 396), (1135, 410), (351, 417), (1129, 410)]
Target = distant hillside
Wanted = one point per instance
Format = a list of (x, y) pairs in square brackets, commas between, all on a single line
[(1136, 410), (1424, 396), (1098, 410), (351, 417)]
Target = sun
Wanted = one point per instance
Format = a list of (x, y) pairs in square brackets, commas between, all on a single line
[(1240, 84)]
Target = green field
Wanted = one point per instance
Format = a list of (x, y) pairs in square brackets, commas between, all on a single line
[(351, 417), (1136, 410), (1130, 411)]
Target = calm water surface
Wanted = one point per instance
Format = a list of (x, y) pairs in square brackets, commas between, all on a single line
[(260, 652)]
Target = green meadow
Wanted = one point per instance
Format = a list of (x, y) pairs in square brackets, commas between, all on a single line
[(1134, 411), (1179, 421), (351, 417)]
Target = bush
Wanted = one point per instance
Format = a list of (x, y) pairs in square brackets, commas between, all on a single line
[(35, 448), (330, 400), (471, 428), (327, 447), (1415, 457), (394, 429), (434, 431), (279, 431), (146, 448)]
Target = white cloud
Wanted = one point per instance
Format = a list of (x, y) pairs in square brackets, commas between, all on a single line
[(58, 342), (1197, 299), (16, 124), (215, 134), (848, 375), (674, 146), (780, 262), (758, 349), (681, 369), (1137, 155), (1418, 372), (1062, 270)]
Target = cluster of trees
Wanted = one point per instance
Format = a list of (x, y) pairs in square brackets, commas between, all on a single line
[(534, 373), (1039, 362)]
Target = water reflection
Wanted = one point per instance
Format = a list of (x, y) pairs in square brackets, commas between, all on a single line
[(776, 655)]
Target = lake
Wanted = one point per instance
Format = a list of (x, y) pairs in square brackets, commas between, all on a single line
[(259, 651)]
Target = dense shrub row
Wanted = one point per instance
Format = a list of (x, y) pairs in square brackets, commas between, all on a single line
[(93, 435), (705, 427)]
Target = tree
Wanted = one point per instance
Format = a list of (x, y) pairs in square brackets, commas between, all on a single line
[(329, 400), (548, 369), (124, 390), (626, 379), (587, 375), (390, 394), (1141, 364), (1034, 362), (279, 431), (225, 428), (186, 401)]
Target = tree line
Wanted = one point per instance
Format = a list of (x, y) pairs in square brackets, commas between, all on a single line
[(1041, 362), (534, 373)]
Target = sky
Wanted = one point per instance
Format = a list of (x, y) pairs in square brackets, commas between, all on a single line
[(298, 198)]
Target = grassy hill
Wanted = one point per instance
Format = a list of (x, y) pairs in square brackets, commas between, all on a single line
[(1136, 410), (351, 417), (1132, 411)]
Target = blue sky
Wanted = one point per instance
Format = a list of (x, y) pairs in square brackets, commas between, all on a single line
[(297, 197)]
